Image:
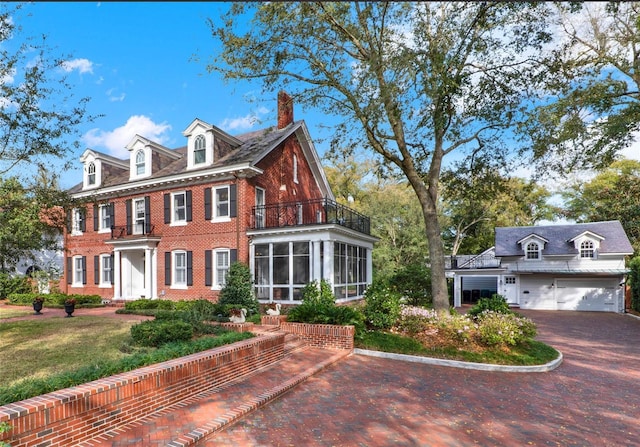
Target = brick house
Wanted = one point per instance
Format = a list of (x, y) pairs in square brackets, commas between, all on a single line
[(168, 223)]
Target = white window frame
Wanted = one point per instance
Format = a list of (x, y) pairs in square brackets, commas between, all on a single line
[(216, 203), (528, 251), (104, 213), (140, 164), (91, 174), (295, 168), (261, 195), (177, 269), (175, 208), (197, 148), (138, 223), (220, 271), (78, 268), (76, 222), (587, 252), (106, 265)]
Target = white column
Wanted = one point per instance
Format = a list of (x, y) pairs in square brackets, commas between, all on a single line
[(116, 274), (316, 272), (328, 262), (147, 273), (457, 293), (154, 273), (369, 266)]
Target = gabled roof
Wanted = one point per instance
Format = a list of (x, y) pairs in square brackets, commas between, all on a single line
[(613, 238), (253, 147)]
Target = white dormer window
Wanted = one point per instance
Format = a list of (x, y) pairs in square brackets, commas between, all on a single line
[(532, 251), (91, 174), (199, 150), (140, 163), (587, 250)]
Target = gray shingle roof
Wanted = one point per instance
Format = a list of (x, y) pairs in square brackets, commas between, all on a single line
[(559, 237)]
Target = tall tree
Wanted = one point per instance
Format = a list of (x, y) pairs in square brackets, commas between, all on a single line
[(614, 194), (38, 113), (414, 82)]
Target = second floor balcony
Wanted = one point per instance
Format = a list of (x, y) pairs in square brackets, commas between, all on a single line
[(309, 212), (135, 230), (483, 261)]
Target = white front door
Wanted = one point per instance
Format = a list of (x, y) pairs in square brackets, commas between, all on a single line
[(133, 277), (509, 289)]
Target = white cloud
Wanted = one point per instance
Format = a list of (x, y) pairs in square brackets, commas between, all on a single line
[(81, 65), (244, 122), (116, 140)]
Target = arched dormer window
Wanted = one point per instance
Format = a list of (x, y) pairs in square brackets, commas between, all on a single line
[(199, 150), (140, 162), (532, 251), (587, 249), (91, 174)]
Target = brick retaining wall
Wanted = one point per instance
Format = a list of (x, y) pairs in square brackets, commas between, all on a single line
[(326, 336), (70, 416)]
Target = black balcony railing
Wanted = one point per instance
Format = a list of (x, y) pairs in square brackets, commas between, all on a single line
[(485, 261), (309, 212), (132, 231)]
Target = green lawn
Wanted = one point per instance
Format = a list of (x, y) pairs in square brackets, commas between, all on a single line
[(14, 311)]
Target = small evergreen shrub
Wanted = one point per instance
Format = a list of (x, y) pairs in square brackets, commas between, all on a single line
[(495, 328), (13, 284), (634, 282), (382, 306), (413, 282), (155, 333), (145, 303), (318, 294), (238, 289), (497, 303)]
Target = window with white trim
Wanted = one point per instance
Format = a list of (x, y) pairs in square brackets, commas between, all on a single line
[(106, 270), (77, 221), (221, 202), (349, 270), (510, 280), (91, 174), (140, 162), (587, 250), (105, 218), (222, 264), (295, 169), (79, 269), (532, 251), (199, 150), (139, 216), (260, 208), (179, 269), (179, 203)]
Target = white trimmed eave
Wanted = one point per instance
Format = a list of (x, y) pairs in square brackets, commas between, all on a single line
[(333, 228), (192, 177)]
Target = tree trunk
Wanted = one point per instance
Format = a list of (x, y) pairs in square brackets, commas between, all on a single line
[(436, 257)]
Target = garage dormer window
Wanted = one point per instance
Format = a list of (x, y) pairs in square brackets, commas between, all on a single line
[(140, 162), (199, 150), (532, 251), (587, 250)]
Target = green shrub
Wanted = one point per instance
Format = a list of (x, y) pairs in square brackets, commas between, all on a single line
[(4, 427), (413, 319), (318, 294), (382, 306), (500, 329), (55, 299), (634, 282), (145, 303), (13, 284), (497, 303), (458, 327), (238, 289), (155, 333), (413, 282)]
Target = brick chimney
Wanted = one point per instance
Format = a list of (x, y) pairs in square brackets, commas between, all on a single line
[(285, 109)]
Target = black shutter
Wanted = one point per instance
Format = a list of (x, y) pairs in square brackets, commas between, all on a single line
[(96, 269), (113, 267), (233, 256), (189, 268), (68, 220), (233, 201), (95, 218), (69, 270), (84, 270), (128, 205), (187, 197), (167, 268), (112, 215), (207, 203), (147, 215), (167, 208), (208, 267)]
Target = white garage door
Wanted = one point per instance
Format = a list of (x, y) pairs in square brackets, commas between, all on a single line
[(537, 293), (587, 294)]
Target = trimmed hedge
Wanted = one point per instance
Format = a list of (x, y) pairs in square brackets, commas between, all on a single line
[(155, 333), (54, 299)]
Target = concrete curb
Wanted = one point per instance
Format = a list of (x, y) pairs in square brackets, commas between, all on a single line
[(465, 365)]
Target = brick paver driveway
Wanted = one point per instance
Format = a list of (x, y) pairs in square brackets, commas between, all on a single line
[(592, 399)]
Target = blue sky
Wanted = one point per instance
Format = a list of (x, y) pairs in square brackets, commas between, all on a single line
[(135, 61)]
